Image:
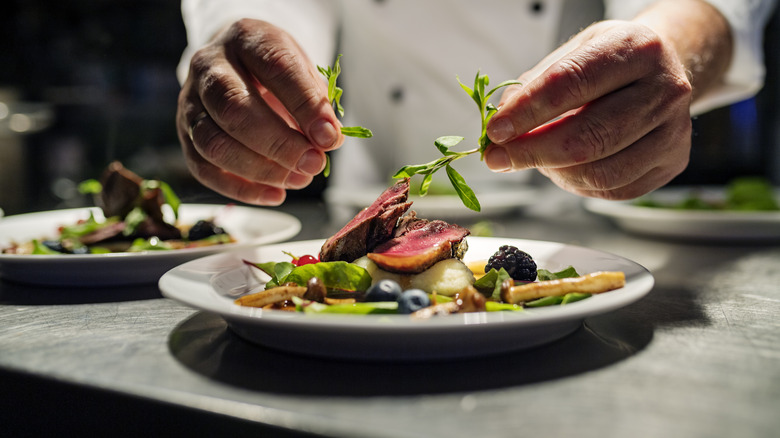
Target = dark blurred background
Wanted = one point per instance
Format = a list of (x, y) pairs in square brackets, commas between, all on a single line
[(94, 80)]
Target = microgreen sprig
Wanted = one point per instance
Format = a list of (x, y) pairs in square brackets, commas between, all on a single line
[(334, 97), (443, 144)]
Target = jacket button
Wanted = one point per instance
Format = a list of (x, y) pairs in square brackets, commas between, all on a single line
[(397, 94)]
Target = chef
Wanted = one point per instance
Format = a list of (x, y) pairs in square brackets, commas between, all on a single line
[(608, 88)]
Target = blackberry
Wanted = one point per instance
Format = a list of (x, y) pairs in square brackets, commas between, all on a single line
[(518, 264), (203, 229)]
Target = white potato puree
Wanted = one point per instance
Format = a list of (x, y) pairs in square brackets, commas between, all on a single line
[(446, 277)]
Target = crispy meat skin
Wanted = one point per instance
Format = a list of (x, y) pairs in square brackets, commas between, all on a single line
[(370, 227), (418, 245)]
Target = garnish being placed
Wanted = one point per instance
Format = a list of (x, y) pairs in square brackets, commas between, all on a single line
[(334, 96), (443, 144), (134, 221)]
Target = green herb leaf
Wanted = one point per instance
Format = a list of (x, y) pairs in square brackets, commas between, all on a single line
[(357, 131), (90, 187), (426, 183), (168, 194), (133, 219), (334, 97), (443, 144), (170, 198), (465, 193), (326, 170)]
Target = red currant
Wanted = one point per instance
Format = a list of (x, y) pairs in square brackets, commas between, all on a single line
[(306, 260)]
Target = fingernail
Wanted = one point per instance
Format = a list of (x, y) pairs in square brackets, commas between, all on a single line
[(497, 159), (297, 181), (311, 162), (501, 130), (323, 133)]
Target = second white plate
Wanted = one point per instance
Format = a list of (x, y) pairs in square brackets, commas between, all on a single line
[(249, 226)]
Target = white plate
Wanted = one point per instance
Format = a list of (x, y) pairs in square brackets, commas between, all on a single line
[(695, 225), (495, 200), (212, 284), (249, 226)]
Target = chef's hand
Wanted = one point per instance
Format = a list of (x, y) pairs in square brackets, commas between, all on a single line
[(253, 115), (617, 98)]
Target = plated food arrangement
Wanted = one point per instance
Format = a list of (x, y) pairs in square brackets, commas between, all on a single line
[(97, 247), (745, 210), (391, 285), (387, 261), (133, 219)]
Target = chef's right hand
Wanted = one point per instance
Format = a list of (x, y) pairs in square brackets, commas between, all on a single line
[(253, 115)]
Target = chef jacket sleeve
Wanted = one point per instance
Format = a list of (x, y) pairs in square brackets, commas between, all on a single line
[(745, 75), (313, 23)]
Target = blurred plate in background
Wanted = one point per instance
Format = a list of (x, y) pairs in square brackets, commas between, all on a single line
[(248, 225), (730, 226)]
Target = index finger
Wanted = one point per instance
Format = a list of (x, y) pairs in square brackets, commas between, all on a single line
[(276, 61), (581, 73)]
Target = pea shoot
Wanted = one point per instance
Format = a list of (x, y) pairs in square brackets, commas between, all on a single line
[(443, 144), (334, 96)]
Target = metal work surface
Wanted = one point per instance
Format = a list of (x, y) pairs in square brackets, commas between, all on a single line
[(699, 356)]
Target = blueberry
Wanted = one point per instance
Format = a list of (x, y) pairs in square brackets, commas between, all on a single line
[(383, 290), (413, 300), (80, 250), (54, 245)]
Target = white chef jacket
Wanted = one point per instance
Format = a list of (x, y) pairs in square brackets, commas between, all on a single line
[(401, 58)]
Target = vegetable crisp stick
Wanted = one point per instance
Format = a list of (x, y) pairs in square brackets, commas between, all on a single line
[(271, 296), (593, 283)]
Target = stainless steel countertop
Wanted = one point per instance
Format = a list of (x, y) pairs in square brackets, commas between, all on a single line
[(698, 357)]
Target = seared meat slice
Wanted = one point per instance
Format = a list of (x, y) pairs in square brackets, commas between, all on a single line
[(372, 226), (150, 227), (122, 193), (120, 190), (418, 245)]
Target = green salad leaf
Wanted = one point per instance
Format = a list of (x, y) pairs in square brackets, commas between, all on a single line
[(83, 228), (41, 249), (334, 275), (544, 274), (489, 284)]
